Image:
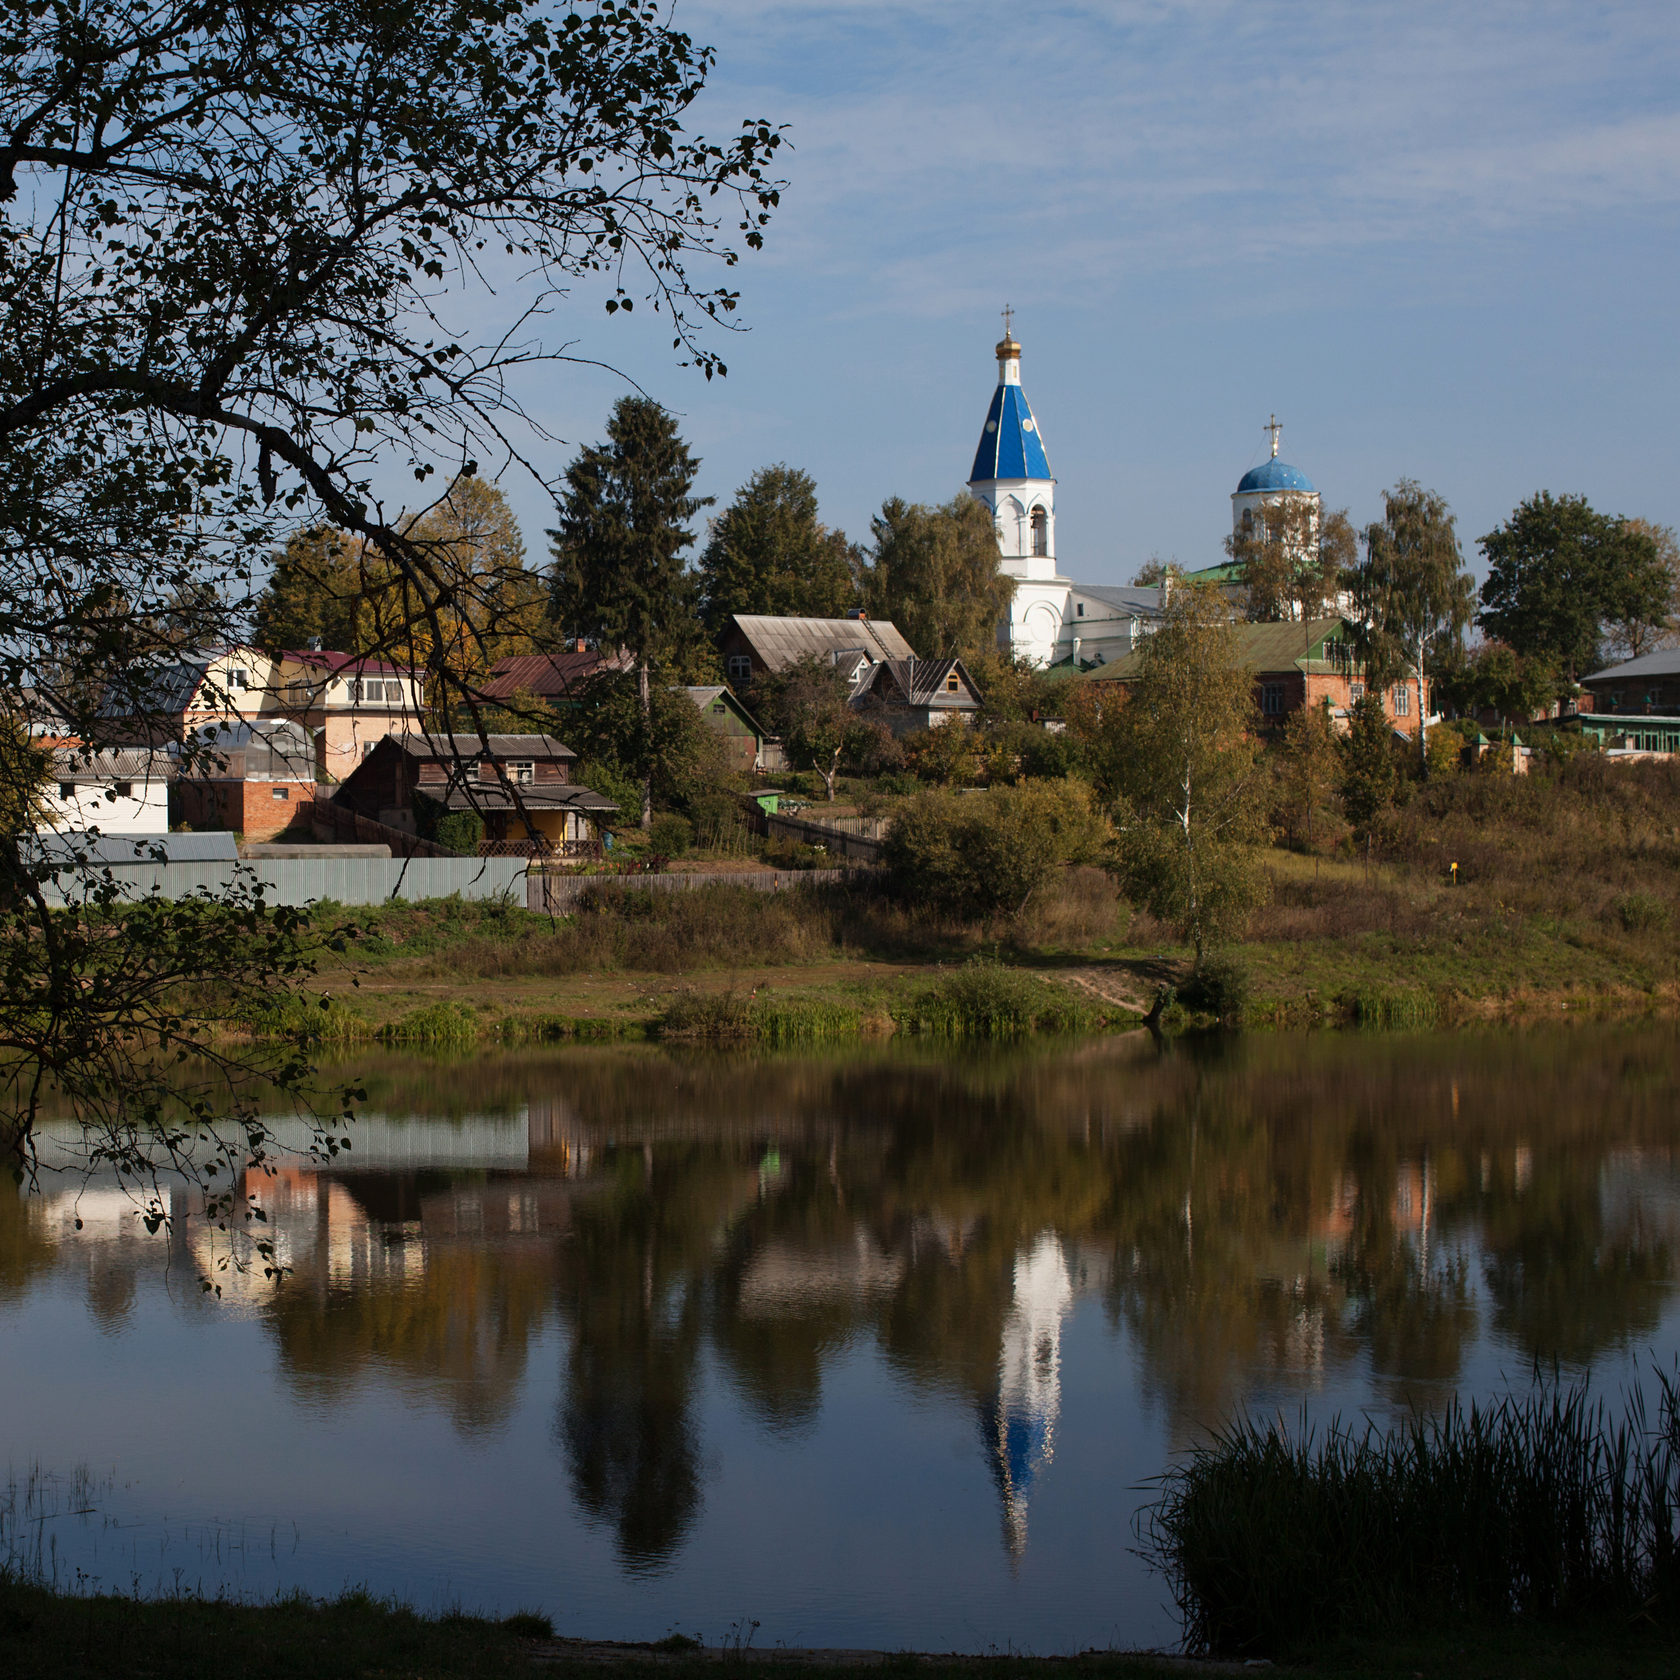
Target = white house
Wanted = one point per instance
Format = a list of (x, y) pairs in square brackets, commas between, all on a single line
[(121, 790)]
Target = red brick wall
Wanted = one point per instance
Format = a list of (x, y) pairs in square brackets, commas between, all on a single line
[(257, 810)]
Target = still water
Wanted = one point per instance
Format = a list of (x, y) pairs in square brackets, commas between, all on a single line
[(873, 1349)]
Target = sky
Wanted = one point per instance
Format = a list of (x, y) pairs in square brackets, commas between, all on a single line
[(1439, 241)]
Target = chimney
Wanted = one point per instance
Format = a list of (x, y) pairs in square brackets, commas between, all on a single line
[(582, 645), (313, 644)]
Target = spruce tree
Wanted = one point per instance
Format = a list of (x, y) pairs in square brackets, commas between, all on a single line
[(619, 576)]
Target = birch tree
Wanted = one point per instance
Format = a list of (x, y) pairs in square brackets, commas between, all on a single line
[(1176, 756), (1412, 595)]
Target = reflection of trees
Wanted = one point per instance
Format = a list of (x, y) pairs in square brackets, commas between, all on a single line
[(631, 1284), (1254, 1219)]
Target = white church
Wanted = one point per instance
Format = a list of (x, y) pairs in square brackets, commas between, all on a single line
[(1052, 618)]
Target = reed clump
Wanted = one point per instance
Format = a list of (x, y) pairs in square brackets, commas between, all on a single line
[(729, 1017), (1539, 1507), (988, 999)]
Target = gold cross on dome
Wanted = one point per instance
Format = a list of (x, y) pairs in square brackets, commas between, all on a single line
[(1008, 318), (1274, 426)]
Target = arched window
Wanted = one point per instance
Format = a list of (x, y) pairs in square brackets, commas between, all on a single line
[(1248, 522), (1041, 531)]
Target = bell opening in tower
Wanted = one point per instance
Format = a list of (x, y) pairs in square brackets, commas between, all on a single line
[(1040, 532)]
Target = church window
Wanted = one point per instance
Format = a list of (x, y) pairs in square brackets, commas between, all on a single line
[(1080, 609), (1040, 531), (1248, 522)]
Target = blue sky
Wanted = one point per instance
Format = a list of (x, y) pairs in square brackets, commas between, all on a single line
[(1440, 241)]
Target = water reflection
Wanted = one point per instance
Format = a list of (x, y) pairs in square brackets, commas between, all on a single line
[(1256, 1222)]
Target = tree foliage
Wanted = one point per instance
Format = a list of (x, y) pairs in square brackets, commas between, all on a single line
[(769, 553), (1177, 759), (1369, 773), (1307, 769), (979, 854), (808, 704), (1494, 677), (1412, 595), (664, 749), (1293, 559), (1560, 573), (935, 572)]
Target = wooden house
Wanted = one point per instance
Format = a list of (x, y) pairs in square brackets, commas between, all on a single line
[(744, 739), (520, 785), (910, 694), (754, 644)]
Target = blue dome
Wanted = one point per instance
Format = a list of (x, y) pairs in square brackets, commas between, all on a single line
[(1274, 475), (1010, 445)]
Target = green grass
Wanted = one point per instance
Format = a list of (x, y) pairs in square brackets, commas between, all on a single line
[(1540, 1509), (52, 1636)]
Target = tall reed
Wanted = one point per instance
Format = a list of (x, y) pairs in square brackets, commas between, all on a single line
[(1541, 1505)]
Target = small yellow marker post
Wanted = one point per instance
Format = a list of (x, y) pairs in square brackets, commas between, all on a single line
[(1454, 868)]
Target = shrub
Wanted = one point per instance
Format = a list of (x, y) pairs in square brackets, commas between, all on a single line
[(459, 832), (986, 999), (671, 834), (1218, 988), (1639, 912), (981, 853), (611, 783)]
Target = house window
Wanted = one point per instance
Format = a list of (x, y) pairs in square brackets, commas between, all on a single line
[(740, 667), (1402, 700), (718, 708), (66, 790), (1040, 531), (238, 677), (1356, 692), (951, 683), (124, 790), (280, 793), (394, 693), (522, 770), (367, 747), (1271, 699)]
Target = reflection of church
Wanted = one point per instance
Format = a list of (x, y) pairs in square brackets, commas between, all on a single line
[(1018, 1421), (1053, 620)]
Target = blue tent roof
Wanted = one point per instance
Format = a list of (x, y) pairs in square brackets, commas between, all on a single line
[(1010, 445), (1274, 475)]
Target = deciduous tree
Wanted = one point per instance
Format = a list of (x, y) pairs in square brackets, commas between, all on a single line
[(241, 269), (1177, 757), (1559, 573), (1412, 594), (935, 573)]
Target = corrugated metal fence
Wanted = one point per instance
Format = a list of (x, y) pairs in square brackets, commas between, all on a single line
[(352, 880)]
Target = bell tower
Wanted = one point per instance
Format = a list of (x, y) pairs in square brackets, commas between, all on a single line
[(1012, 472)]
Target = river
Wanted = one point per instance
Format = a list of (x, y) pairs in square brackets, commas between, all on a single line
[(878, 1348)]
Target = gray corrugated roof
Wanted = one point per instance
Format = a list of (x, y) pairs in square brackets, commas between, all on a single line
[(111, 764), (1665, 662), (782, 641), (137, 851)]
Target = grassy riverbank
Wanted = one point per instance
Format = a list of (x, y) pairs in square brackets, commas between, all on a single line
[(47, 1636)]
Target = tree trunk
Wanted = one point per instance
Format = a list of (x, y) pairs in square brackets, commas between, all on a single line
[(647, 739)]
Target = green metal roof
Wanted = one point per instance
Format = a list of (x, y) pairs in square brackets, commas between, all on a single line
[(1262, 648)]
